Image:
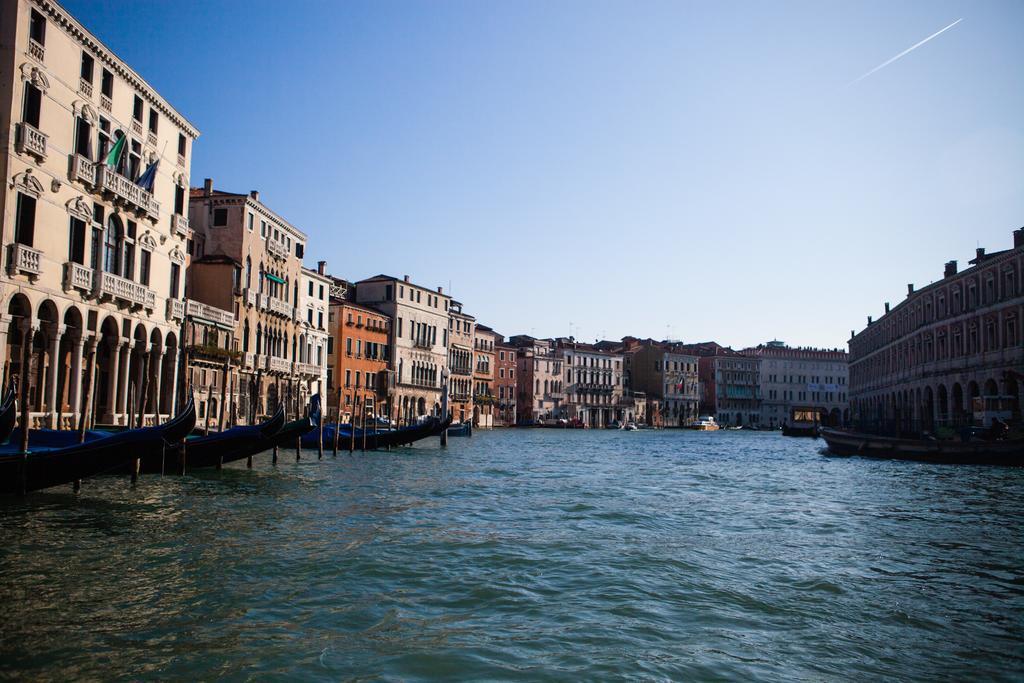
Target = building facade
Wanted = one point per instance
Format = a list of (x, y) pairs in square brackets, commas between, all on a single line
[(668, 377), (312, 311), (505, 384), (802, 378), (936, 357), (359, 343), (94, 227), (418, 341), (252, 266), (593, 383), (461, 332), (484, 366), (729, 383), (540, 398)]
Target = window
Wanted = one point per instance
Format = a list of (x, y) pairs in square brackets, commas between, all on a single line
[(134, 160), (250, 222), (220, 217), (181, 144), (299, 250), (25, 220), (103, 137), (348, 345), (320, 320), (37, 28), (137, 109), (309, 315), (389, 292), (321, 292), (154, 120), (145, 257), (311, 288), (76, 241), (128, 269), (31, 105), (175, 277), (107, 84), (348, 378), (87, 67), (111, 243), (83, 136)]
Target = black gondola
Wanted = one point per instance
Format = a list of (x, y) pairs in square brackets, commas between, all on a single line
[(43, 467), (296, 429), (377, 439), (218, 448)]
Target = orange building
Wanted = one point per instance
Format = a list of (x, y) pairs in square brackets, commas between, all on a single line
[(359, 352)]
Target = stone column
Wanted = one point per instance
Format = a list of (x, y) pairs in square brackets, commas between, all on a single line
[(172, 408), (5, 321), (125, 368), (75, 391), (113, 377), (156, 367), (51, 380)]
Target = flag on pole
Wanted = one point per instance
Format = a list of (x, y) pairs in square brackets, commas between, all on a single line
[(114, 156), (148, 177)]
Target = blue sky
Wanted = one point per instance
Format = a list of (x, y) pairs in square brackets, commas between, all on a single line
[(699, 170)]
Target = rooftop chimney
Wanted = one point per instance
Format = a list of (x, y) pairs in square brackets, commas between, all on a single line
[(208, 187), (440, 290), (910, 288), (979, 253), (321, 267), (886, 306), (869, 321), (1018, 238), (852, 334), (950, 269), (255, 194), (405, 277)]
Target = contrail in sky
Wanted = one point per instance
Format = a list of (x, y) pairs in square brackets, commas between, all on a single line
[(909, 49)]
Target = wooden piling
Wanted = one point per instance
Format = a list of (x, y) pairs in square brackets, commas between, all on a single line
[(337, 425)]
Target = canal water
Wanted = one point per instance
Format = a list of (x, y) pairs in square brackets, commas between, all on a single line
[(525, 554)]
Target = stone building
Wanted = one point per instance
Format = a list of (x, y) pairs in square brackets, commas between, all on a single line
[(418, 340), (484, 366), (505, 384), (540, 398), (461, 332), (666, 376), (947, 351), (731, 383), (94, 229), (593, 383), (252, 266), (312, 310), (802, 378), (359, 343)]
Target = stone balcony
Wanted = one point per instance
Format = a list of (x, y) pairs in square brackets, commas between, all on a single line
[(277, 249), (250, 298), (77, 276), (110, 286), (275, 364), (280, 307), (104, 180), (309, 369), (23, 259), (30, 140), (197, 309), (36, 50), (85, 87), (179, 224), (249, 360), (175, 309), (422, 343)]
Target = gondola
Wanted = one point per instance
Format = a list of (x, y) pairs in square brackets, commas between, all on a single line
[(296, 429), (462, 429), (8, 415), (218, 448), (374, 440), (974, 452), (42, 467)]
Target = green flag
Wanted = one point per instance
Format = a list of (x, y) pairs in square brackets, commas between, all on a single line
[(115, 153)]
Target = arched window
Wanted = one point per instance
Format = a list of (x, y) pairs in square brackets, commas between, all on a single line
[(259, 338), (112, 240), (248, 272), (262, 278), (245, 337)]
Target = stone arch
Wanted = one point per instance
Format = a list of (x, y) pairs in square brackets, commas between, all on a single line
[(991, 387), (942, 404)]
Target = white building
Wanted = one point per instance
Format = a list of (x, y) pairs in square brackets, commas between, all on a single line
[(802, 377), (313, 311)]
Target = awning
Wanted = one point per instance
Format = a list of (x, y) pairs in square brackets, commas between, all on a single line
[(274, 278)]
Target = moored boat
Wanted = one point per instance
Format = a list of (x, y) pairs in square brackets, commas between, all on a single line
[(42, 467), (373, 440), (8, 415), (975, 451), (704, 423), (461, 429), (217, 448), (803, 421), (296, 429)]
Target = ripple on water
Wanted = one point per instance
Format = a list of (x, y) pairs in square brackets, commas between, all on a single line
[(534, 555)]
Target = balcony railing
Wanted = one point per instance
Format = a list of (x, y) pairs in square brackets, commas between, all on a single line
[(275, 364), (123, 189), (30, 140), (36, 49), (248, 360), (175, 309), (280, 307), (197, 309), (116, 287), (151, 138), (307, 369), (277, 249), (77, 276), (23, 259), (137, 126), (105, 102), (251, 297), (179, 224), (85, 87), (422, 343)]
